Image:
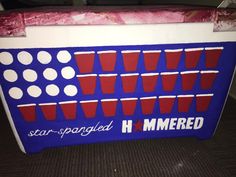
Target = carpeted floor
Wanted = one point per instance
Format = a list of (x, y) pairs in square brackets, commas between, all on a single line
[(143, 158)]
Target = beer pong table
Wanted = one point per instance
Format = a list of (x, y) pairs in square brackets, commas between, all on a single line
[(94, 75)]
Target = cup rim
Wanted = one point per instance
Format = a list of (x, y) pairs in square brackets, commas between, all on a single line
[(173, 50), (167, 96), (45, 104), (127, 99), (190, 72), (149, 74), (106, 51), (209, 71), (147, 98), (89, 101), (151, 51), (83, 52), (108, 100), (184, 96), (205, 95), (129, 74), (26, 105), (68, 102), (214, 48), (193, 49), (130, 51)]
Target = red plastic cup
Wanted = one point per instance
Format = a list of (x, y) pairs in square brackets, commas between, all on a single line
[(28, 112), (109, 107), (188, 79), (184, 102), (49, 110), (85, 61), (147, 104), (166, 103), (128, 105), (130, 59), (172, 58), (69, 109), (212, 56), (208, 78), (108, 82), (192, 56), (87, 83), (149, 81), (169, 80), (203, 101), (151, 58), (129, 82), (107, 60), (89, 108)]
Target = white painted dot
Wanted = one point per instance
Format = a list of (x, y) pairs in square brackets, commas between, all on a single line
[(63, 56), (10, 75), (52, 90), (68, 72), (44, 57), (25, 58), (15, 93), (50, 74), (70, 90), (6, 58), (30, 75), (34, 91)]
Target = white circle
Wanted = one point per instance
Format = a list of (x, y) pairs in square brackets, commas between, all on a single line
[(6, 58), (52, 90), (15, 93), (10, 75), (30, 75), (70, 90), (44, 57), (25, 58), (34, 91), (63, 56), (68, 72), (50, 74)]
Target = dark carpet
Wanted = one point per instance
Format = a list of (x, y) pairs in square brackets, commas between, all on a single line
[(177, 157)]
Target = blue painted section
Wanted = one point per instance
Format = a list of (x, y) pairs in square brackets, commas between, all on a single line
[(225, 67)]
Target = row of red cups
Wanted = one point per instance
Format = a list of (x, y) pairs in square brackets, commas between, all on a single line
[(85, 59), (109, 106), (149, 81)]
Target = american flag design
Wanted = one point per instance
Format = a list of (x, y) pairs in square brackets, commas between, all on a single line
[(49, 88)]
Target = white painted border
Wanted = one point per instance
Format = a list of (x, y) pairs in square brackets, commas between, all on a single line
[(113, 35), (19, 142)]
